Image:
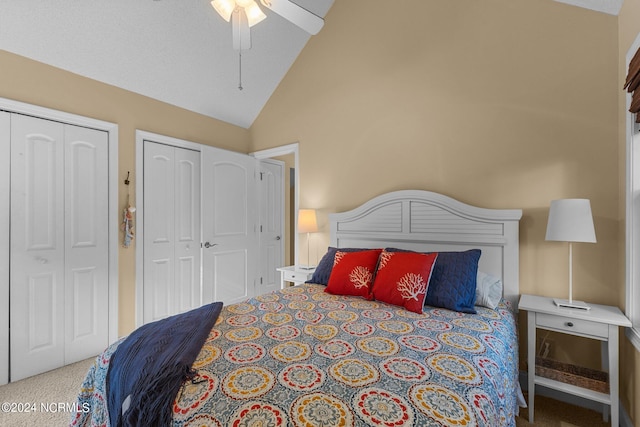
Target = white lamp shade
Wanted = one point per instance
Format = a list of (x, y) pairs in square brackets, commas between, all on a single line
[(570, 220), (224, 8), (307, 222), (254, 13), (251, 9)]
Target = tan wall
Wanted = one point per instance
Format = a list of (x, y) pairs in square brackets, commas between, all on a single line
[(38, 84), (501, 104), (628, 30)]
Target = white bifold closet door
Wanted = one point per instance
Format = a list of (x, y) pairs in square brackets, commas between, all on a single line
[(171, 231), (59, 244)]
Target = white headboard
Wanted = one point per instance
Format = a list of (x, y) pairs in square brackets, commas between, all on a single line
[(425, 221)]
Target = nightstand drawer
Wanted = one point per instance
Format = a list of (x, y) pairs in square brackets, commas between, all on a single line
[(295, 276), (573, 326)]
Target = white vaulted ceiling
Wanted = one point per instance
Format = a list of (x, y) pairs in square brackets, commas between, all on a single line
[(176, 51), (612, 7)]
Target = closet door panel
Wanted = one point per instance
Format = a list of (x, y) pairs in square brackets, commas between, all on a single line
[(5, 145), (187, 230), (159, 230), (37, 246), (86, 242)]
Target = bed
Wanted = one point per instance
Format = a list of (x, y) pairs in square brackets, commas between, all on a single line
[(303, 356)]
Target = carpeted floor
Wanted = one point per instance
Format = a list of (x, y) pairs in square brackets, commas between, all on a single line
[(62, 385), (45, 391)]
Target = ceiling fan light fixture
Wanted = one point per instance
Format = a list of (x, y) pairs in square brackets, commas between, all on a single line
[(254, 13), (224, 8)]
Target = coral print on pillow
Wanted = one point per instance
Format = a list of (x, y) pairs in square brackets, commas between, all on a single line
[(403, 278), (352, 273)]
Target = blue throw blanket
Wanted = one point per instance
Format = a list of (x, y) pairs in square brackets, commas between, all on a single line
[(149, 367)]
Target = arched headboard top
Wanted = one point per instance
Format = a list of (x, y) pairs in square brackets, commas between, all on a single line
[(430, 222)]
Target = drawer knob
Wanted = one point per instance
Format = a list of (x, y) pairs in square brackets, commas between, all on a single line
[(569, 324)]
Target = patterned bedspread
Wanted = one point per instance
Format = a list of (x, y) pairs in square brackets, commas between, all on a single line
[(302, 357)]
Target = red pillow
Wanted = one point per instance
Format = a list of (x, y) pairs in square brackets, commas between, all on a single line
[(403, 277), (352, 273)]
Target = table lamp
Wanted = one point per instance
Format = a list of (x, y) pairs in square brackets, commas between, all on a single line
[(307, 223), (570, 220)]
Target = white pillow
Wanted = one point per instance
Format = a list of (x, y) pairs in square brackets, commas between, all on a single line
[(488, 290)]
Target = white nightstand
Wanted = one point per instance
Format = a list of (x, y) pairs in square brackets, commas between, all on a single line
[(294, 274), (601, 323)]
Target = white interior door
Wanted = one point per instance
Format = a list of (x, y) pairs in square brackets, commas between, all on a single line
[(271, 189), (229, 225), (171, 230), (59, 260)]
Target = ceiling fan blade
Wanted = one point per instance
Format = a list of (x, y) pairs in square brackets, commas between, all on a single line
[(241, 30), (298, 15)]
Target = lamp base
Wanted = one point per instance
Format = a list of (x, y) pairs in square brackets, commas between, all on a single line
[(564, 303), (306, 267)]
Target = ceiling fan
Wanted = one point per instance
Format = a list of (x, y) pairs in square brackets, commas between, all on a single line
[(244, 14)]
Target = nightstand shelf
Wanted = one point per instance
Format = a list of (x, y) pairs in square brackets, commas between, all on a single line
[(591, 379), (294, 274), (601, 323), (573, 390)]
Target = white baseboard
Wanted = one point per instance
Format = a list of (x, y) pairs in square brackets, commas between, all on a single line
[(625, 420)]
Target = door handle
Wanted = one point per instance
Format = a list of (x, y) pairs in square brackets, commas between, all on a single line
[(278, 237), (209, 245)]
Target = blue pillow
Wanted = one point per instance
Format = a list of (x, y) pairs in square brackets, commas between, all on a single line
[(323, 270), (453, 281)]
